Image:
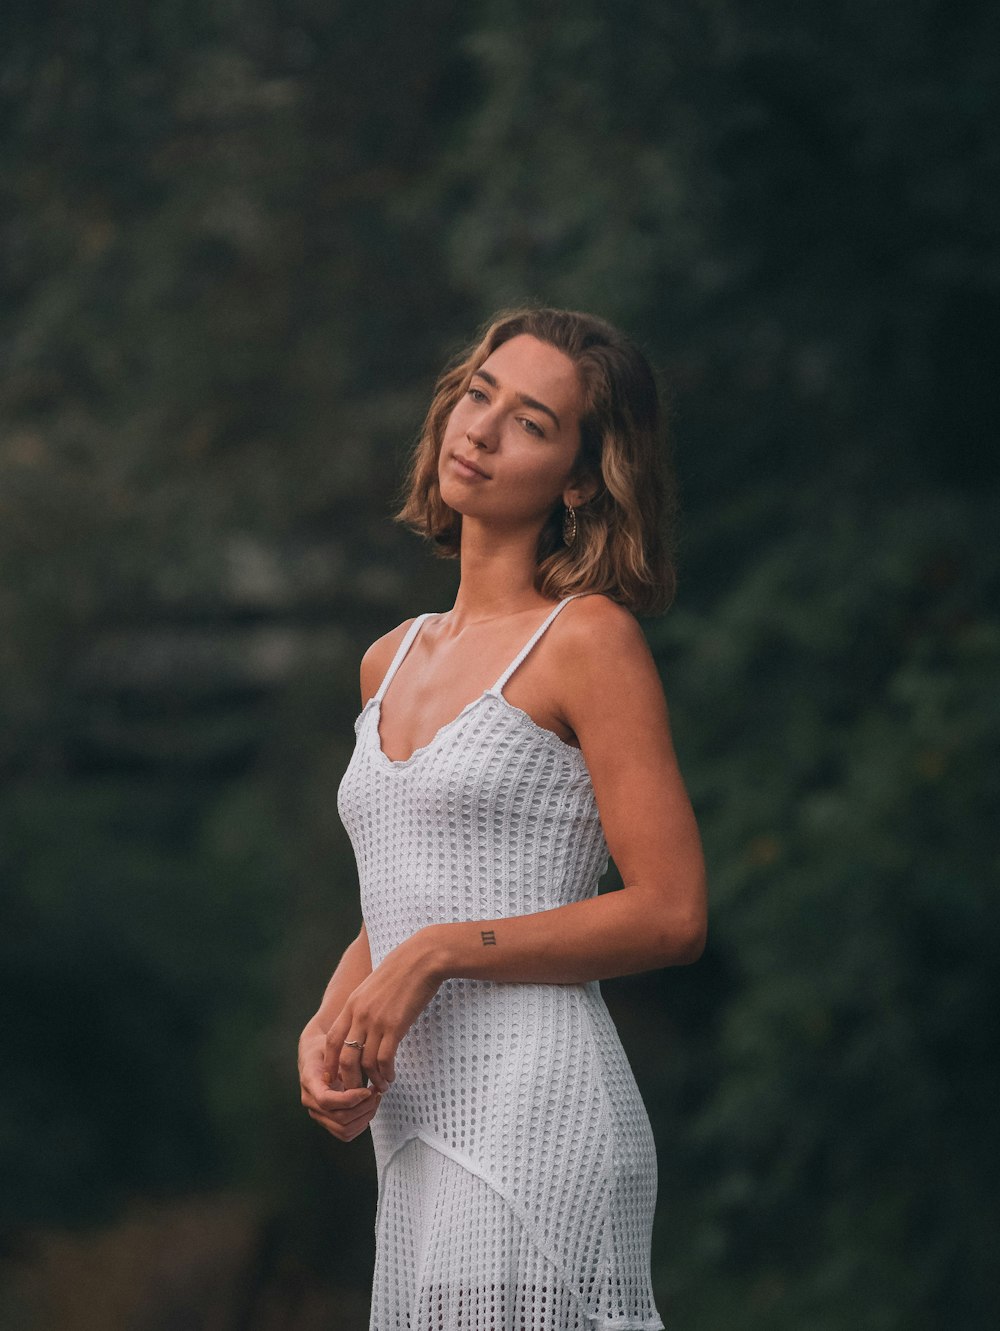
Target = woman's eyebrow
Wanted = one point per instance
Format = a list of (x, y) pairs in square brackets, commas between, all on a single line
[(522, 397)]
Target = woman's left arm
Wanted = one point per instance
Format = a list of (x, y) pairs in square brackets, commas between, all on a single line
[(613, 700), (611, 697)]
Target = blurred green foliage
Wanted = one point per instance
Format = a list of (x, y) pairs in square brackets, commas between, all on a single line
[(238, 242)]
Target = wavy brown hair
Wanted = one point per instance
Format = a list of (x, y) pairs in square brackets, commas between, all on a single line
[(624, 533)]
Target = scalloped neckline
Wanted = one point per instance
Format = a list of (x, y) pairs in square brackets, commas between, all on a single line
[(550, 736)]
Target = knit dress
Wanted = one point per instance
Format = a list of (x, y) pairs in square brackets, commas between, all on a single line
[(516, 1166)]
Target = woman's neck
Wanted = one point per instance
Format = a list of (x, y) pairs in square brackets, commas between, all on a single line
[(497, 576)]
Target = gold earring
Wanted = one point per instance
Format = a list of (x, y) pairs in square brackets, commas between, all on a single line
[(569, 525)]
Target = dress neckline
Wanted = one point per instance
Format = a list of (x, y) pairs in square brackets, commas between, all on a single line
[(495, 691), (518, 714)]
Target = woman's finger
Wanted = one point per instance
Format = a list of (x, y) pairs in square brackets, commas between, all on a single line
[(339, 1102), (345, 1126), (343, 1134), (371, 1062), (361, 1116), (331, 1056), (332, 1046), (314, 1084), (316, 1093), (344, 1118), (349, 1060), (384, 1064)]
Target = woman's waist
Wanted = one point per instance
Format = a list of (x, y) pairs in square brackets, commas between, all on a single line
[(488, 1061), (485, 1029)]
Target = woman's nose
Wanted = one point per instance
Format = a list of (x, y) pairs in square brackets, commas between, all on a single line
[(483, 432)]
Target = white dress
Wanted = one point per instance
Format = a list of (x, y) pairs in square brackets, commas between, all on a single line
[(516, 1166)]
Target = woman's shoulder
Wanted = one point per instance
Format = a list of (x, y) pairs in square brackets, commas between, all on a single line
[(593, 613), (598, 630), (378, 658)]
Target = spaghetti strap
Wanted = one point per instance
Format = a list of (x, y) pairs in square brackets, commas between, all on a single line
[(498, 687), (401, 651)]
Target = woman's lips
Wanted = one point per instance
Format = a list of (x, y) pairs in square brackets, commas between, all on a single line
[(468, 469)]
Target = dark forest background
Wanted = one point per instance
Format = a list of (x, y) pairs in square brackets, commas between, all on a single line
[(238, 239)]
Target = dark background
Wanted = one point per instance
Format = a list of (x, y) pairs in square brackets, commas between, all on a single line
[(238, 242)]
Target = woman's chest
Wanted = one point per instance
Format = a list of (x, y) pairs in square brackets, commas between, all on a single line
[(490, 767)]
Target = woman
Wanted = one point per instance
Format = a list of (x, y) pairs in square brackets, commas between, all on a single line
[(503, 749)]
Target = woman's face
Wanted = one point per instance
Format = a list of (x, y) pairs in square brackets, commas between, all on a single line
[(511, 442)]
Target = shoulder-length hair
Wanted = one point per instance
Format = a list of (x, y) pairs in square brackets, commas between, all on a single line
[(623, 542)]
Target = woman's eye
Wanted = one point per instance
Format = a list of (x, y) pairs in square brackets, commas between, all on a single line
[(531, 426), (477, 395)]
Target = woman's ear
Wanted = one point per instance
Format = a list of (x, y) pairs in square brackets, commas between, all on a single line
[(580, 492)]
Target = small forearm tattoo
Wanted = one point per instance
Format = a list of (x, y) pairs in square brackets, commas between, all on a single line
[(489, 937)]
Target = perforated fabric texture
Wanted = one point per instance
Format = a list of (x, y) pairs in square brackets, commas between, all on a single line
[(516, 1166)]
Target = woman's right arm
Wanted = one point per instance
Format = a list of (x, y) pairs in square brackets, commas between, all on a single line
[(344, 1113)]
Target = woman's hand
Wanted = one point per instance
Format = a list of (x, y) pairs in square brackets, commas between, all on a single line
[(379, 1012), (344, 1113)]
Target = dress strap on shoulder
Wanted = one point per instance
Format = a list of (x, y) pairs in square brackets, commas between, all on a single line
[(498, 687), (401, 651)]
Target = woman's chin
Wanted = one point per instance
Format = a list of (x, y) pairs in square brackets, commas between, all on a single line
[(458, 500)]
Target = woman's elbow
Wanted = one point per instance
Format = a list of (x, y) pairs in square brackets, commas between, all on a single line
[(683, 940), (696, 943), (674, 932)]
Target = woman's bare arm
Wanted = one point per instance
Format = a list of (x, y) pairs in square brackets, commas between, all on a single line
[(353, 967), (613, 701)]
